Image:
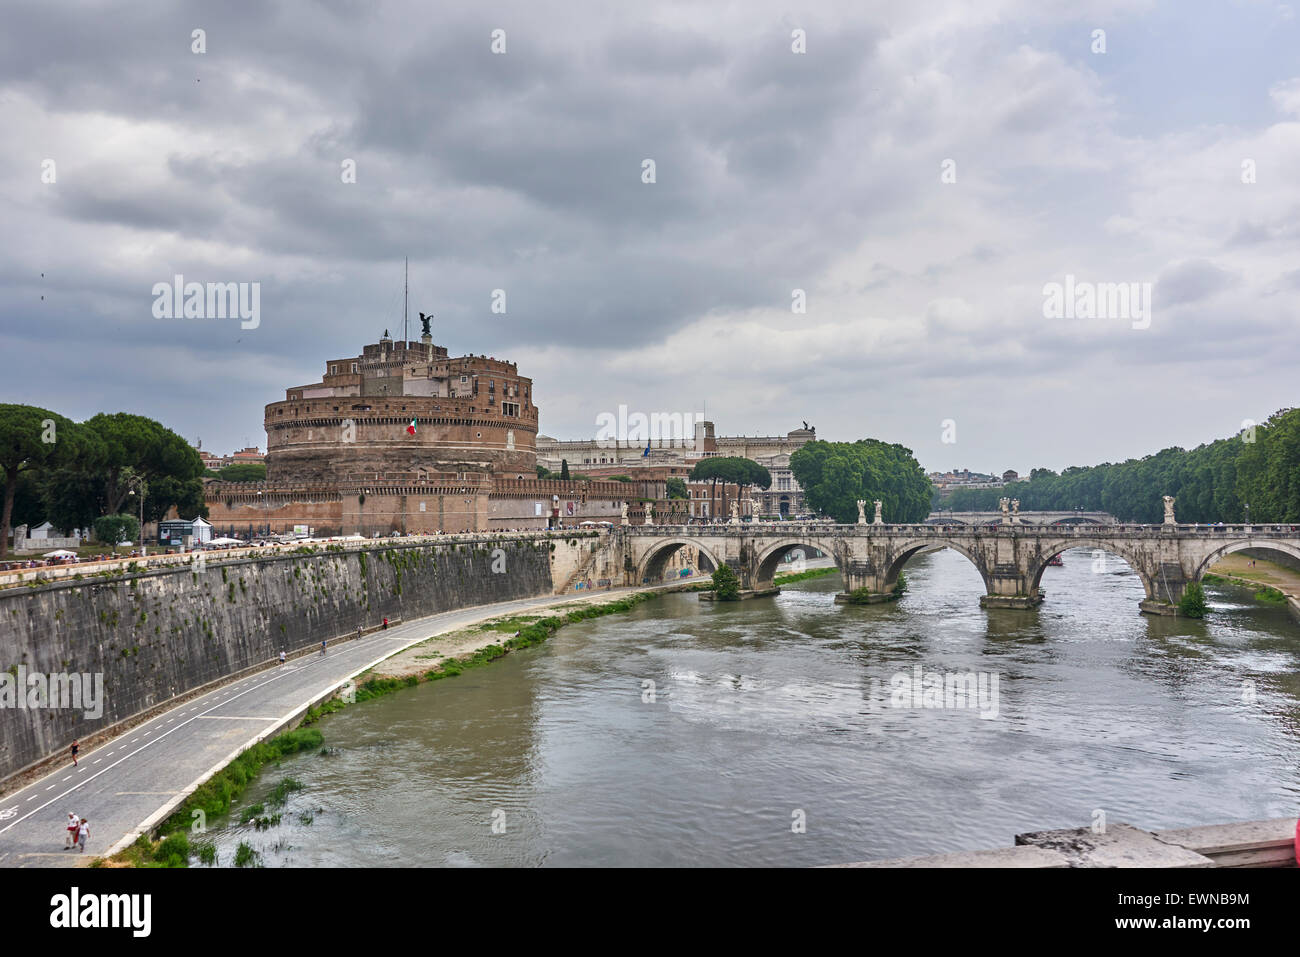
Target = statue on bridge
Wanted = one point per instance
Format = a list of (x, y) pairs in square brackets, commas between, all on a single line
[(1004, 506), (1169, 510), (1015, 510), (862, 511), (624, 513), (649, 513), (879, 520), (735, 513)]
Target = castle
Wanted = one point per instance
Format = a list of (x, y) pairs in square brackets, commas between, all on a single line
[(406, 438)]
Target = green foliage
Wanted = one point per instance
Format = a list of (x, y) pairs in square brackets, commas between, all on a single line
[(836, 475), (245, 856), (802, 576), (243, 472), (1192, 604), (564, 470), (111, 529), (32, 440), (215, 795), (676, 488), (173, 851), (1211, 482), (726, 586)]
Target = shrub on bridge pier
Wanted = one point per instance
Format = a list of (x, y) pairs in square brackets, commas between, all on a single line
[(726, 586), (1192, 604)]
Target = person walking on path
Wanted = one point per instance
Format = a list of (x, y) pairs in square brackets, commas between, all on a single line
[(281, 656), (385, 624), (83, 832), (70, 830), (322, 646), (74, 749), (358, 632)]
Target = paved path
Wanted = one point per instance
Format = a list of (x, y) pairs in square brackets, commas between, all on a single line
[(134, 781)]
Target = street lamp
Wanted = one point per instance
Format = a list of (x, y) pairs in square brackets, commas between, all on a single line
[(1247, 514), (144, 488)]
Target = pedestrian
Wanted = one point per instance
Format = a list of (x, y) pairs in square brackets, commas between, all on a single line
[(322, 646), (385, 624), (281, 656), (74, 749), (83, 832), (358, 632), (70, 830)]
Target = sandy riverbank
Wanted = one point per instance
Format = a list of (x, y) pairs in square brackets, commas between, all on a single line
[(1259, 571)]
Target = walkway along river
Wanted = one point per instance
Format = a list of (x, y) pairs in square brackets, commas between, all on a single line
[(791, 731)]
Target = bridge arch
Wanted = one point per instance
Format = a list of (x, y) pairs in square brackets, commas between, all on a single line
[(1267, 545), (1051, 549), (651, 564), (910, 550), (770, 558)]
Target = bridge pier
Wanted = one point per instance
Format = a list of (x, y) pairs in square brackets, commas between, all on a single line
[(865, 583)]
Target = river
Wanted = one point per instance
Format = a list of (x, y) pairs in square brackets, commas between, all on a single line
[(783, 731)]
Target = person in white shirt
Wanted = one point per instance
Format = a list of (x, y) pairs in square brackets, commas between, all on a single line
[(70, 830), (83, 832)]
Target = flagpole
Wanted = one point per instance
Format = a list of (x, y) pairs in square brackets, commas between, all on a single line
[(406, 298)]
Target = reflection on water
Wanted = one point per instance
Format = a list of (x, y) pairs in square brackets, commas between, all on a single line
[(688, 732)]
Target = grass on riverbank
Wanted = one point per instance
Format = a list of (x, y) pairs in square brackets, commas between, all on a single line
[(213, 798), (801, 576), (1263, 593)]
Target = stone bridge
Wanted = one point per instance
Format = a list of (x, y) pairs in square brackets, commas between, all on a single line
[(1063, 517), (1010, 558)]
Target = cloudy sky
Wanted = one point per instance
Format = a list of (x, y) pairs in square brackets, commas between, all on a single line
[(920, 173)]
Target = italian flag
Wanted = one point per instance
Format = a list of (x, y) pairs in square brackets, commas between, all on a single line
[(410, 429)]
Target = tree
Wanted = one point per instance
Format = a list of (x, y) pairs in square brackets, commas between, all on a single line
[(119, 450), (564, 470), (835, 476), (243, 472), (677, 488), (113, 529), (726, 586), (32, 440)]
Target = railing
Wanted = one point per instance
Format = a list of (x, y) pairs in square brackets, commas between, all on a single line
[(116, 566), (783, 529)]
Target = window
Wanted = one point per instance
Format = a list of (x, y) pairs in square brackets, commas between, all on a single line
[(510, 408)]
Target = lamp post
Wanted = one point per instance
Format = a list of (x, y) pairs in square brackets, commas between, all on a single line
[(1247, 514), (144, 489)]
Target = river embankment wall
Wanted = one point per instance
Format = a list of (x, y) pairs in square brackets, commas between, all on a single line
[(157, 634)]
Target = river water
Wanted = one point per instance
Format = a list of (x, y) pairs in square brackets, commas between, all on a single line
[(785, 731)]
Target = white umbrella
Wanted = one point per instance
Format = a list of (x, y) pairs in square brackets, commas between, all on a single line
[(60, 553), (225, 541)]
